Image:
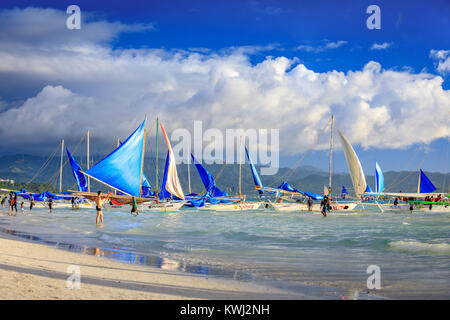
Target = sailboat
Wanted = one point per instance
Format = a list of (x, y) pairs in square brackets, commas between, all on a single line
[(300, 204), (216, 199), (81, 184), (423, 200), (59, 200), (121, 170), (171, 194)]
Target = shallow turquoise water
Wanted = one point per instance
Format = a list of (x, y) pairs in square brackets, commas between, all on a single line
[(288, 249)]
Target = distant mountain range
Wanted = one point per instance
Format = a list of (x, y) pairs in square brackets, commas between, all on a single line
[(23, 168)]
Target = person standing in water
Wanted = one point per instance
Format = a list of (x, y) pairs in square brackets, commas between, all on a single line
[(3, 202), (31, 202), (50, 204), (10, 203), (15, 202), (134, 206), (310, 204), (99, 200), (324, 205)]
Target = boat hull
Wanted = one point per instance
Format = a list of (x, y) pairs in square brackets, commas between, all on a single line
[(316, 207), (149, 207), (233, 206)]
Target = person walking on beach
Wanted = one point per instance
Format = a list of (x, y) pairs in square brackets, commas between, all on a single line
[(99, 200), (4, 201), (134, 206), (310, 204)]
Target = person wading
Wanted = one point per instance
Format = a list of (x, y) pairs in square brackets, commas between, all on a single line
[(99, 200)]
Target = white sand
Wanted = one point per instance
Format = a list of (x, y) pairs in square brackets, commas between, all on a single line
[(35, 271)]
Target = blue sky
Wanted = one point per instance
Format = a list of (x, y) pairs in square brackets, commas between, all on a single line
[(414, 27), (321, 35)]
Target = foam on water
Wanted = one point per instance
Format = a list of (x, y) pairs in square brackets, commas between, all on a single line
[(416, 246)]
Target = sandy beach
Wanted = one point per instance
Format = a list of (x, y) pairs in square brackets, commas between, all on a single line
[(35, 271)]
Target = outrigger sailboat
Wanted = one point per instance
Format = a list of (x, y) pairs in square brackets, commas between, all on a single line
[(291, 193), (217, 200), (122, 170), (423, 200)]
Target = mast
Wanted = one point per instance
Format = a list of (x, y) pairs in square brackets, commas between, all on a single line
[(418, 183), (61, 167), (156, 160), (331, 156), (87, 161), (117, 145), (143, 157), (189, 171), (240, 167)]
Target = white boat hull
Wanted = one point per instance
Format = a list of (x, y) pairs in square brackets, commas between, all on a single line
[(232, 206), (149, 206), (404, 207), (316, 207), (161, 207)]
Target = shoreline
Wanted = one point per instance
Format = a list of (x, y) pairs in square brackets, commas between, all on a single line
[(40, 272), (252, 286)]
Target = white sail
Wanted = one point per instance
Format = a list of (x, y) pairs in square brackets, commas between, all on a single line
[(173, 185), (354, 166)]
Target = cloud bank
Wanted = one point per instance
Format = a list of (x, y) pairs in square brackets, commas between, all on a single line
[(84, 83)]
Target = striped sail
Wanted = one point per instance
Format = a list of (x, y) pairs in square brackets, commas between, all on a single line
[(173, 185)]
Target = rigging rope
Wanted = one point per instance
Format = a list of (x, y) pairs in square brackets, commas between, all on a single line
[(288, 173)]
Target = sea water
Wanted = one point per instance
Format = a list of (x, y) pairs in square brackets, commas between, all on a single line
[(292, 250)]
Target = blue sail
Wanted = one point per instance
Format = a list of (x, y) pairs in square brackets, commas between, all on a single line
[(121, 169), (368, 189), (344, 191), (163, 194), (313, 195), (208, 180), (285, 186), (76, 170), (255, 174), (379, 178), (146, 186), (426, 185)]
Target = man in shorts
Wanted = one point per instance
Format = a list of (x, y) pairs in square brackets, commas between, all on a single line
[(99, 200)]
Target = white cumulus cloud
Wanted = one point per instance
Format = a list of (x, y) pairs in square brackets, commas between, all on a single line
[(109, 91), (443, 60), (381, 46)]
